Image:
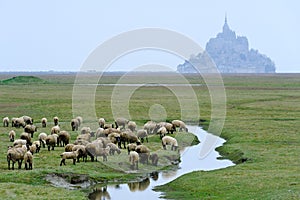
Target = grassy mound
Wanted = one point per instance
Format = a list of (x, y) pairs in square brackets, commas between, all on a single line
[(23, 80)]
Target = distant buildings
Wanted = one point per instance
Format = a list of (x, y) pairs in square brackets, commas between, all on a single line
[(231, 54)]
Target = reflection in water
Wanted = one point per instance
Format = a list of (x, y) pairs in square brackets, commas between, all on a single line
[(190, 161), (100, 194)]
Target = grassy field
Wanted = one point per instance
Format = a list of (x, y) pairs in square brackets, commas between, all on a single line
[(261, 128)]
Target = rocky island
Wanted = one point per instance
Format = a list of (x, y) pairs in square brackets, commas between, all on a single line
[(231, 54)]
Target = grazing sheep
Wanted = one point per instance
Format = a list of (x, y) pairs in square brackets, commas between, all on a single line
[(131, 147), (121, 122), (63, 138), (19, 142), (100, 132), (30, 129), (55, 130), (170, 128), (13, 121), (154, 159), (171, 141), (69, 155), (85, 130), (27, 137), (180, 124), (162, 131), (94, 150), (131, 125), (86, 137), (141, 134), (5, 121), (74, 124), (27, 120), (101, 122), (69, 147), (12, 135), (16, 154), (134, 160), (143, 152), (44, 122), (51, 141), (55, 120), (81, 142), (32, 148), (82, 152), (80, 120), (37, 143), (115, 138), (113, 148), (149, 127), (19, 122), (42, 138), (106, 126), (28, 160)]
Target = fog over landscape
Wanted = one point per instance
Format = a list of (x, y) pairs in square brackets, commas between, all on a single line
[(60, 35)]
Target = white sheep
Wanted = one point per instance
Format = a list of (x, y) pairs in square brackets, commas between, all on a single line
[(28, 160), (131, 147), (63, 138), (55, 130), (55, 120), (18, 122), (29, 128), (141, 134), (113, 148), (69, 155), (101, 122), (168, 140), (37, 143), (121, 122), (12, 135), (82, 152), (42, 138), (131, 125), (180, 124), (94, 150), (74, 124), (44, 122), (51, 141), (27, 137), (162, 131), (80, 120), (5, 121), (19, 142), (134, 160), (85, 130), (27, 119), (150, 126), (16, 154), (100, 132)]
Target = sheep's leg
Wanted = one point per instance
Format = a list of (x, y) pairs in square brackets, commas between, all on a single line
[(147, 139), (62, 161), (13, 165), (20, 163), (74, 161), (137, 165), (48, 148), (8, 162), (26, 166), (52, 148), (30, 166)]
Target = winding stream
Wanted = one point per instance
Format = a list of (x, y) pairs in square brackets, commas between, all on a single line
[(190, 161)]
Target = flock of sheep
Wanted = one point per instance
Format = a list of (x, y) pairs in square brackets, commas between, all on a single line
[(106, 140)]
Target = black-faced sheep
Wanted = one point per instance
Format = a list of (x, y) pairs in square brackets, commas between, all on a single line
[(69, 155), (55, 120), (106, 126), (51, 141), (37, 147), (85, 130), (115, 138), (13, 121), (180, 124), (63, 138), (28, 160), (44, 122), (131, 147), (101, 122), (143, 152), (132, 138), (113, 148), (42, 138), (149, 127), (12, 135), (141, 134), (5, 121), (131, 125), (154, 159), (19, 122), (81, 142), (29, 128), (55, 130), (74, 124), (19, 142), (100, 132), (27, 119), (168, 140), (162, 131), (69, 147), (121, 122), (134, 160), (80, 120), (27, 137), (82, 152), (16, 154), (94, 150), (86, 137)]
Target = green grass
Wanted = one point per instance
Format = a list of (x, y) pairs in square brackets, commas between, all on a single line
[(261, 128)]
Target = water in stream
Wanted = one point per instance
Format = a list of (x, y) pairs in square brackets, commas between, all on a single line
[(190, 161)]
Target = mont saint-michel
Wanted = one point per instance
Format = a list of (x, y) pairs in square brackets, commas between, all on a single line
[(231, 54)]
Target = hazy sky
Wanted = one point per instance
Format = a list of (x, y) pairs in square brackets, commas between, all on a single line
[(59, 35)]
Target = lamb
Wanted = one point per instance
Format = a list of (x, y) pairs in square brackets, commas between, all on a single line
[(131, 125), (162, 131), (131, 147), (74, 124), (42, 138), (143, 152), (44, 122), (63, 138), (171, 141), (180, 124), (19, 142), (69, 147), (154, 159), (149, 127), (141, 134), (121, 122), (55, 120), (16, 154), (12, 135), (94, 150), (5, 121), (28, 160), (69, 155), (37, 144), (27, 137), (113, 148), (82, 152), (134, 160), (27, 120), (55, 130), (51, 141), (30, 129), (101, 122)]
